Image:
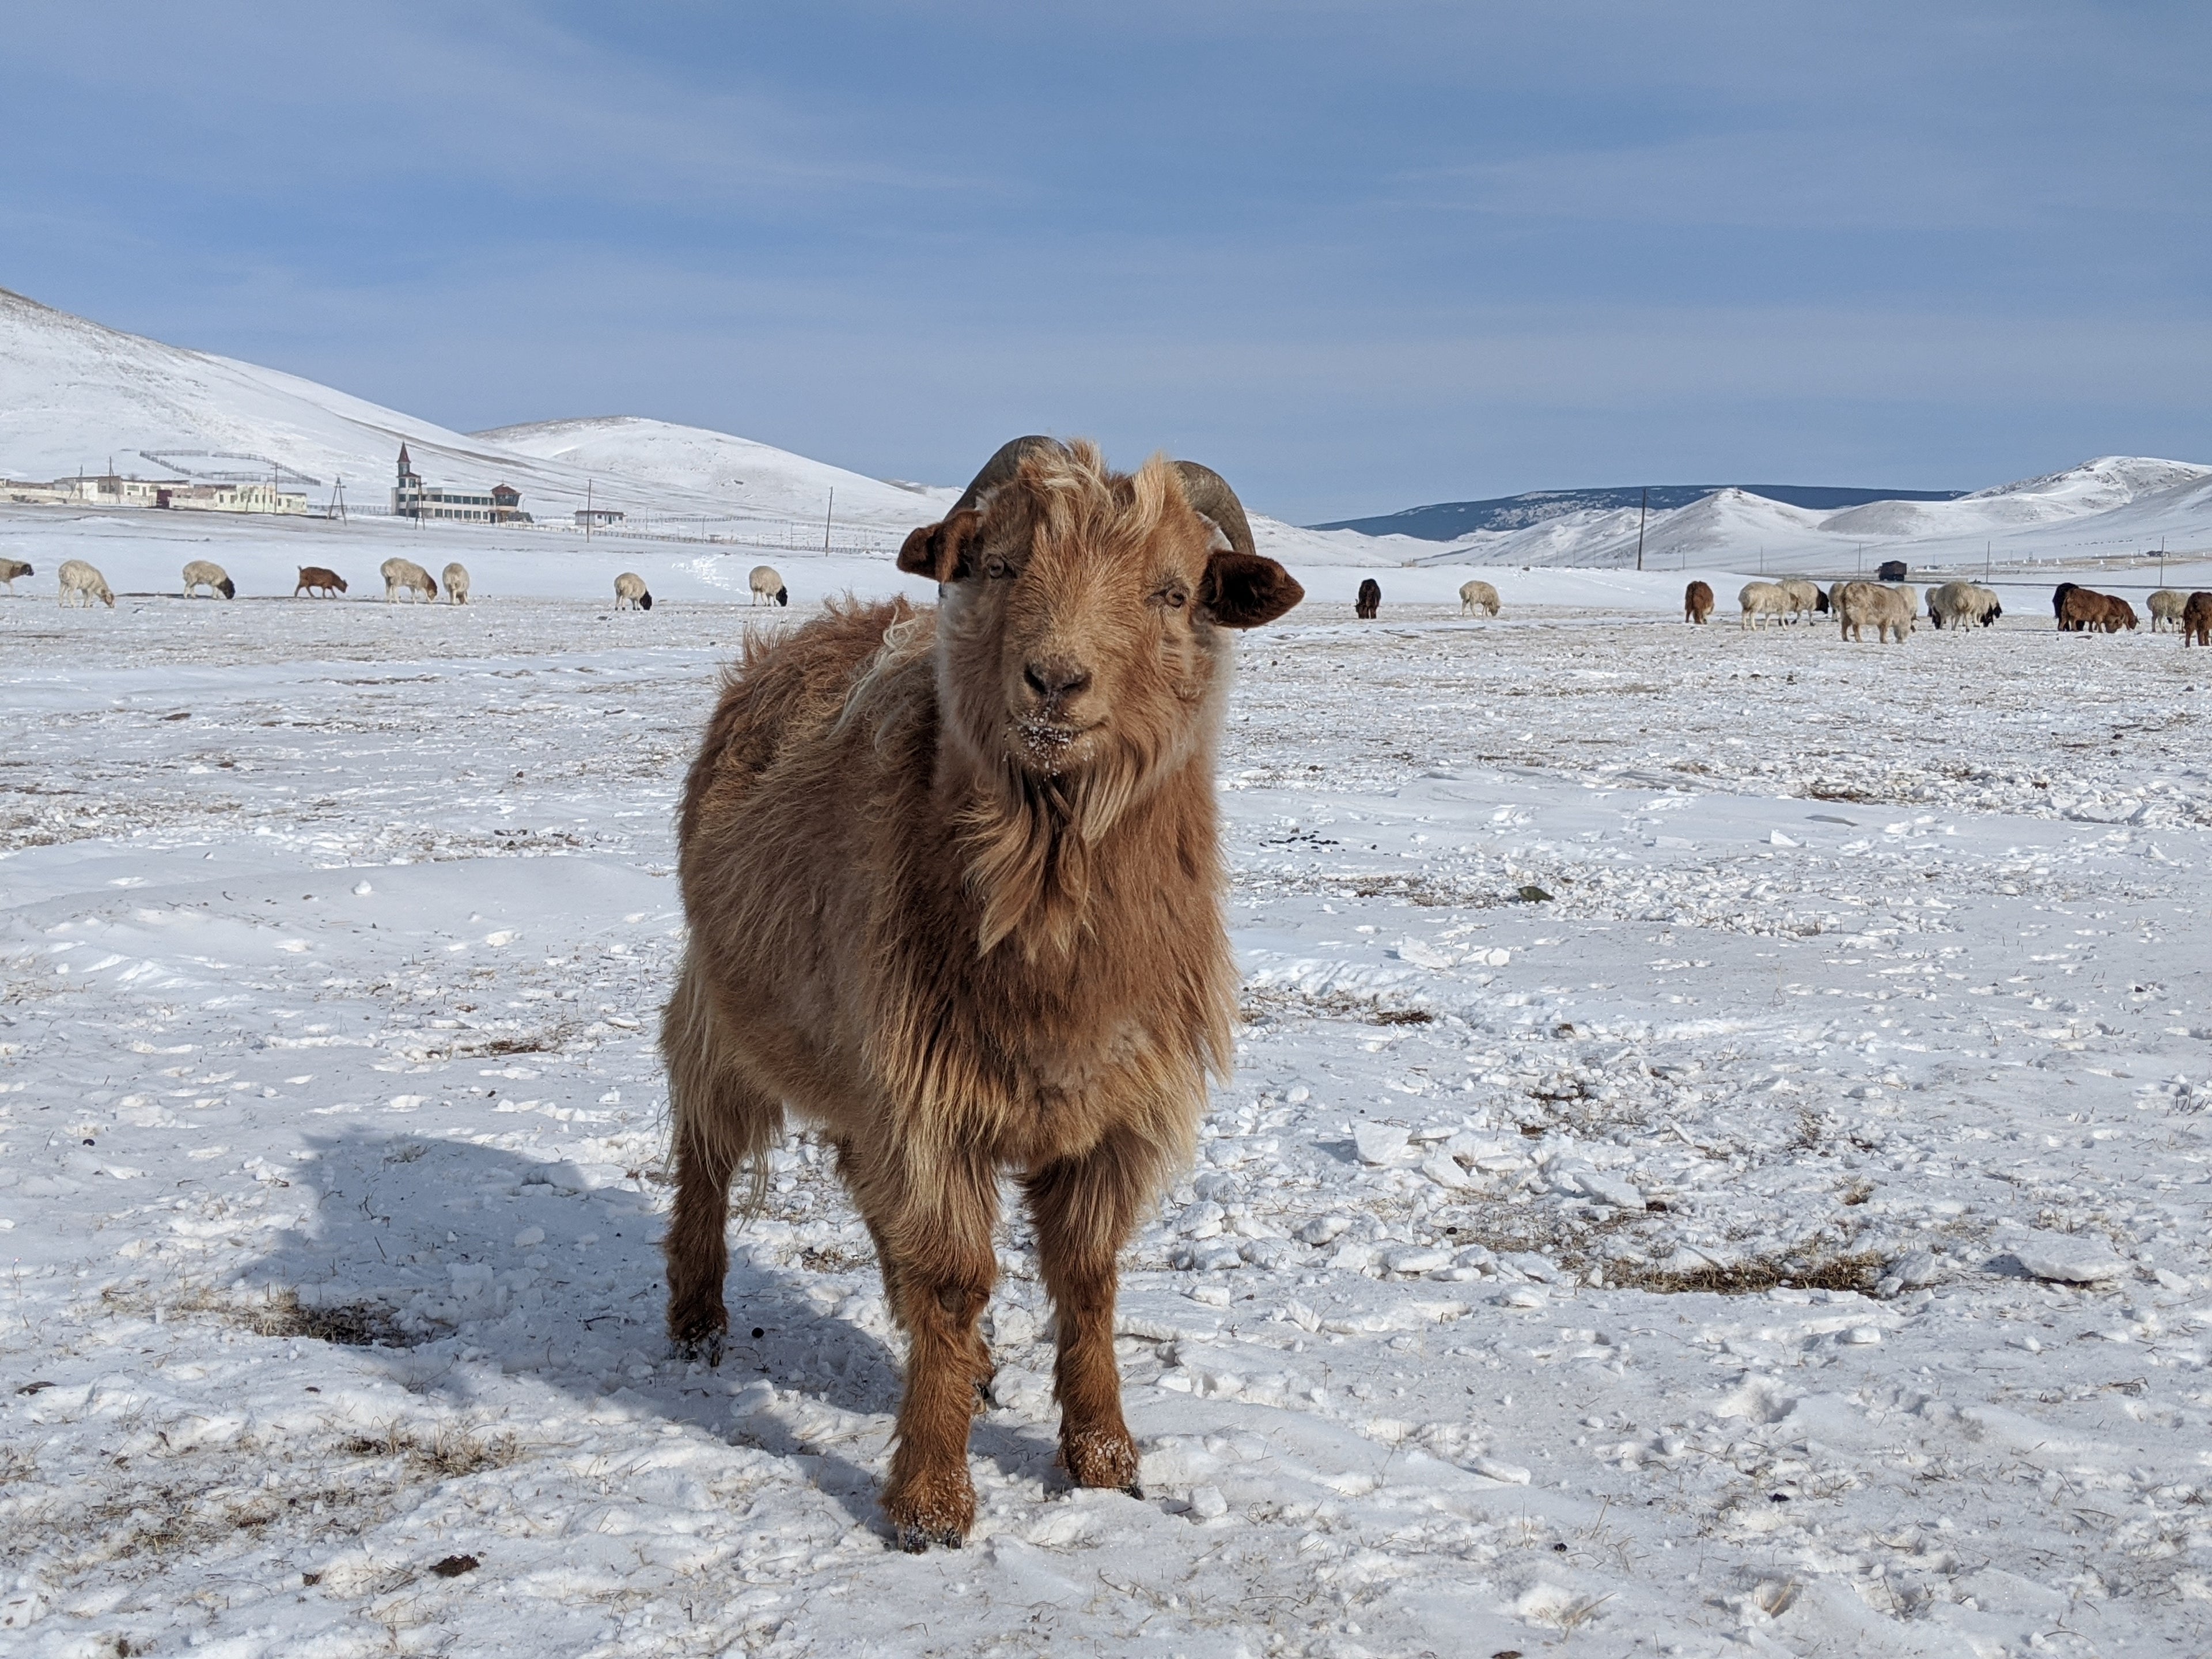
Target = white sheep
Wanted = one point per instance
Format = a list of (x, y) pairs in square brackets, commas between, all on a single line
[(629, 591), (405, 576), (768, 585), (2166, 606), (1803, 597), (1890, 610), (1477, 596), (1955, 604), (1762, 600), (11, 568), (202, 573), (81, 581), (456, 582)]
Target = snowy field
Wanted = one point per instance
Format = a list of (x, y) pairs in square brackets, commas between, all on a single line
[(1719, 1162)]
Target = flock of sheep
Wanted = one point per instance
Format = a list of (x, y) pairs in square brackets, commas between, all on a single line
[(82, 584), (1891, 607)]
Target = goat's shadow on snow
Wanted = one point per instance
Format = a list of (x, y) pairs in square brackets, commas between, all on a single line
[(439, 1224)]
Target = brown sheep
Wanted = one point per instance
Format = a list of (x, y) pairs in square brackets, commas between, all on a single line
[(1369, 600), (954, 888), (1697, 602), (314, 579), (2197, 619), (11, 568), (2118, 614)]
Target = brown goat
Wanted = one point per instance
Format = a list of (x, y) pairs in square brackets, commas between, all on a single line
[(2197, 619), (954, 896), (2085, 611), (313, 577), (1697, 602)]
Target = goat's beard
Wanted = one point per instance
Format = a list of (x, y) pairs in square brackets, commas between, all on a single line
[(1033, 831)]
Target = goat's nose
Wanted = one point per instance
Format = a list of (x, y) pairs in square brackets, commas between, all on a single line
[(1056, 677)]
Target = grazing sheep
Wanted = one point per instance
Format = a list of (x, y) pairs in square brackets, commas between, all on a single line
[(767, 586), (1475, 596), (1955, 604), (1890, 609), (1821, 601), (405, 576), (629, 593), (2166, 606), (1697, 602), (313, 579), (82, 584), (1893, 570), (1761, 600), (200, 573), (2059, 605), (457, 583), (1371, 599), (1803, 598), (2085, 611), (954, 887), (2197, 619), (2118, 614), (11, 568)]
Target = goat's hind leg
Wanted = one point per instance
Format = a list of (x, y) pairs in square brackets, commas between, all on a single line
[(721, 1120), (1084, 1210)]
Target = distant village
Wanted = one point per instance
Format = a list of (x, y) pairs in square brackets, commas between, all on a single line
[(204, 489)]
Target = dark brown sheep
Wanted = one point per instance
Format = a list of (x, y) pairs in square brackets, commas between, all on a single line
[(2197, 619), (954, 889), (2058, 604), (1697, 602), (313, 579), (2080, 610), (1371, 599)]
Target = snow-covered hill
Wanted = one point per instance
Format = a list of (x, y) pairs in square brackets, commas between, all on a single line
[(2112, 504), (630, 451)]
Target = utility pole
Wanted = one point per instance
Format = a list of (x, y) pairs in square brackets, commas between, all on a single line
[(829, 515), (1642, 507), (588, 508)]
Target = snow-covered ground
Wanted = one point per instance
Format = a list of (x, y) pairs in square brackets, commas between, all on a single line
[(1718, 1163)]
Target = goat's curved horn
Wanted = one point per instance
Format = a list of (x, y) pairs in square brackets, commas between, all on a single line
[(1000, 468), (1209, 493)]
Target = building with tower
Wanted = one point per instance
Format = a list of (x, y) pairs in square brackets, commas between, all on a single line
[(413, 499)]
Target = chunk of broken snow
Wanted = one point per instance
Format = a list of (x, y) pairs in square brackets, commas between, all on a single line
[(1489, 1468), (2070, 1258), (1777, 838), (1380, 1143), (1422, 954), (1608, 1189), (1445, 1171), (1417, 1260)]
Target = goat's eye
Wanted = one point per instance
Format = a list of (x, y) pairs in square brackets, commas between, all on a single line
[(995, 566), (1173, 598)]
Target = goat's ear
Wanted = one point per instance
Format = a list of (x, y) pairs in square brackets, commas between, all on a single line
[(940, 551), (1242, 590)]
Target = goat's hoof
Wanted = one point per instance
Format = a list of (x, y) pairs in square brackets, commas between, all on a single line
[(932, 1510), (697, 1350), (1134, 1489), (1101, 1458), (916, 1540)]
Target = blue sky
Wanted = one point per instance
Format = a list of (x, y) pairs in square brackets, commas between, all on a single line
[(1357, 256)]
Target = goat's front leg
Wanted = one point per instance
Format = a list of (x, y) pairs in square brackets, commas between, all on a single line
[(939, 1267), (1084, 1210)]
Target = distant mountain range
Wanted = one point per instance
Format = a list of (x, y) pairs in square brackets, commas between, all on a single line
[(1447, 521)]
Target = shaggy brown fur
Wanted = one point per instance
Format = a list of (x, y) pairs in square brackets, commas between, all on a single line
[(2081, 609), (954, 890), (2197, 619), (1369, 601), (313, 579), (1697, 602)]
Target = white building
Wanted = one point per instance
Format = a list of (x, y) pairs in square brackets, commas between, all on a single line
[(413, 499)]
